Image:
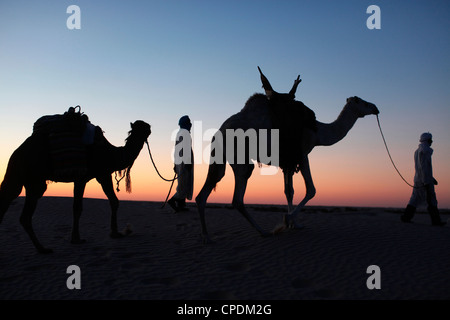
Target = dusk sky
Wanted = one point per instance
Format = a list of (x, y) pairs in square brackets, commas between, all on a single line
[(159, 60)]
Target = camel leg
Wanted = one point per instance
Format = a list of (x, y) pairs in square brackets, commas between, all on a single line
[(289, 189), (33, 194), (310, 193), (215, 174), (78, 192), (108, 189), (8, 192), (12, 184), (242, 173)]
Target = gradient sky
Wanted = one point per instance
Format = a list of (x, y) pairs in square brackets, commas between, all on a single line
[(159, 60)]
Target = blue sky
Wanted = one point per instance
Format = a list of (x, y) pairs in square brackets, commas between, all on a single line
[(159, 60)]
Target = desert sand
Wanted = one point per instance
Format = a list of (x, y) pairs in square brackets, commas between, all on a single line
[(165, 259)]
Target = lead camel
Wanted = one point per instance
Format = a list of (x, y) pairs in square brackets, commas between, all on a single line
[(298, 128)]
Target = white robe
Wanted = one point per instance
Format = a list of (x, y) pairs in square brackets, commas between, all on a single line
[(184, 170), (423, 177)]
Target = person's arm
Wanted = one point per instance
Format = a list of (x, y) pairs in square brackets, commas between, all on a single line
[(425, 164)]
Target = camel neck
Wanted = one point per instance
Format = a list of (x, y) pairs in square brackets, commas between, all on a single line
[(331, 133), (131, 150)]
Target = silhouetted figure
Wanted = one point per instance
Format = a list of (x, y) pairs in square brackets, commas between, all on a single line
[(43, 157), (424, 183), (257, 114), (184, 166), (287, 115)]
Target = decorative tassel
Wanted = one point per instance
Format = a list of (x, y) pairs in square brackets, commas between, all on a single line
[(128, 180)]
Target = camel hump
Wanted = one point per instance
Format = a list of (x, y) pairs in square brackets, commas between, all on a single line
[(68, 135), (291, 117), (71, 121), (289, 114)]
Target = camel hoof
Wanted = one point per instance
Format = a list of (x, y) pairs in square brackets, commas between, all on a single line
[(290, 223), (45, 251), (207, 240), (78, 241), (294, 226), (266, 234), (279, 228), (127, 231), (116, 235)]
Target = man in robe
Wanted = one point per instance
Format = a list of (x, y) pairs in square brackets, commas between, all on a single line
[(184, 166), (424, 183)]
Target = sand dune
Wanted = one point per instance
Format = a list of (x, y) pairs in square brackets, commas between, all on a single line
[(164, 258)]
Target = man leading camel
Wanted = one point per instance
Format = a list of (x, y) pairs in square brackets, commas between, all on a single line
[(424, 183), (184, 166)]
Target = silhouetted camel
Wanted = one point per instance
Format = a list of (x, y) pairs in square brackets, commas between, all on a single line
[(30, 167), (258, 113)]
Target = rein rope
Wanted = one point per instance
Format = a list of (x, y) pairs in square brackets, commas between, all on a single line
[(175, 177), (154, 165), (389, 154)]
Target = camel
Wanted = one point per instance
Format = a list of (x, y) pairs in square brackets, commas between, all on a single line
[(30, 167), (258, 114)]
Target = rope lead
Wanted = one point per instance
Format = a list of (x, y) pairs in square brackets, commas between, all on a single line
[(151, 158), (389, 154), (175, 177)]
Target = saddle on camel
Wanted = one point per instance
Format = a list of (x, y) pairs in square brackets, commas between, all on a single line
[(68, 135), (290, 117)]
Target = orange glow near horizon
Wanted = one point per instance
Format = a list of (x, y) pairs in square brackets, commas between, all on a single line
[(347, 174), (334, 187)]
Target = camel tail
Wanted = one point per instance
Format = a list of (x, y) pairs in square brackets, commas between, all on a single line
[(215, 174), (12, 184), (216, 171)]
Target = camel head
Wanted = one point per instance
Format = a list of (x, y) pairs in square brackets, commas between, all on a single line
[(140, 129), (360, 107), (272, 94)]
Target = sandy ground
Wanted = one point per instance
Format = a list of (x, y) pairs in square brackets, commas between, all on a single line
[(165, 259)]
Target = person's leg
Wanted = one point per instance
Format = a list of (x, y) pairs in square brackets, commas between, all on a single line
[(408, 214), (435, 218), (182, 205), (173, 204), (412, 205), (432, 207)]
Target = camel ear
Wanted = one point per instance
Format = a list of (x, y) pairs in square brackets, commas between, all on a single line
[(266, 85), (131, 125), (294, 87)]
